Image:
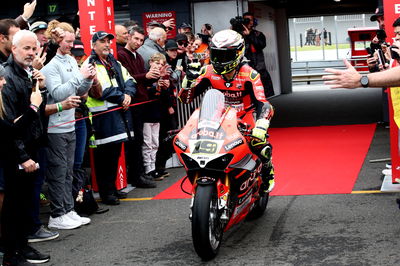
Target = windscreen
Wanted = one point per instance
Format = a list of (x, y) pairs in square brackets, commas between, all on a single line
[(212, 109)]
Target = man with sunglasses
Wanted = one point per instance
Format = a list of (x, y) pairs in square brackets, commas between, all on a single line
[(182, 42)]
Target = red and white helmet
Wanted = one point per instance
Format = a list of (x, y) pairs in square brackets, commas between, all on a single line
[(226, 51)]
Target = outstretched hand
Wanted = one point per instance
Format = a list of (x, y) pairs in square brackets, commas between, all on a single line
[(348, 78), (29, 8)]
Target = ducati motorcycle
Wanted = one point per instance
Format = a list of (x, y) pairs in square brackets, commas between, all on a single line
[(225, 174)]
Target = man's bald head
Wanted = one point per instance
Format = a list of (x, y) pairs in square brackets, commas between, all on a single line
[(122, 34)]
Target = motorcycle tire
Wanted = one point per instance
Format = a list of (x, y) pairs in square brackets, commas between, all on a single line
[(259, 207), (207, 230)]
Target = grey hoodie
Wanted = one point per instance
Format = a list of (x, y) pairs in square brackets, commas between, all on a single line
[(63, 79)]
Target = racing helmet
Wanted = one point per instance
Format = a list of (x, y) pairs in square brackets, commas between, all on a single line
[(226, 51)]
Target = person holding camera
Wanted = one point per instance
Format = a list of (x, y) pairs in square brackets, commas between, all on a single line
[(350, 78), (255, 43)]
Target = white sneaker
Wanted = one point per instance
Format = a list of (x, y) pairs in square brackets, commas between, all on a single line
[(389, 165), (74, 216), (387, 172), (63, 222)]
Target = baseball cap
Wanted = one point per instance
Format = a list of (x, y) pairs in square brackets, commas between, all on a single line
[(101, 35), (153, 23), (185, 25), (38, 25), (181, 37), (171, 45), (378, 13), (78, 48)]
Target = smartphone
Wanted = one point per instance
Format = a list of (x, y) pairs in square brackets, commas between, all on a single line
[(381, 58), (179, 63), (44, 49)]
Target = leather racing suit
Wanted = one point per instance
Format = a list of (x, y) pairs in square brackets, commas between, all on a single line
[(245, 93)]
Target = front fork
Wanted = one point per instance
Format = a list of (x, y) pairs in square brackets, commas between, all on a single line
[(223, 189)]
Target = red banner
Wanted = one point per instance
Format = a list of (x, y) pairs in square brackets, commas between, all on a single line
[(121, 178), (96, 15), (391, 9), (160, 17)]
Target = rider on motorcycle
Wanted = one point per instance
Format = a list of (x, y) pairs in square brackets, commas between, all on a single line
[(243, 91)]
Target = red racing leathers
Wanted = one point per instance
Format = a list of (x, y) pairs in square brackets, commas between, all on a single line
[(245, 92)]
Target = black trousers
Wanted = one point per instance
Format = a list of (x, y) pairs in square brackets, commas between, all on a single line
[(134, 156), (165, 149), (16, 218), (106, 165)]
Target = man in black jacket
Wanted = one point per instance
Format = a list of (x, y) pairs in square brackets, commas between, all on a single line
[(255, 43), (16, 94)]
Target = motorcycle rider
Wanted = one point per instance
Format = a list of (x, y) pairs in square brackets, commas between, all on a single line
[(243, 91)]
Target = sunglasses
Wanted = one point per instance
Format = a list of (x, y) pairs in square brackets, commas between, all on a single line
[(181, 43)]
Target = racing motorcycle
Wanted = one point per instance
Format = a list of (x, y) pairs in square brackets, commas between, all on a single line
[(224, 173)]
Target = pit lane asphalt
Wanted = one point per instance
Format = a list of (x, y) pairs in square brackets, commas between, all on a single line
[(338, 229)]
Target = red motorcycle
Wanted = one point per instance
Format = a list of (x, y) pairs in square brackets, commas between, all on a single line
[(224, 173)]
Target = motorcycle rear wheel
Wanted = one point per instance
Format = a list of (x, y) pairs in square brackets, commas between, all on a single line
[(207, 230)]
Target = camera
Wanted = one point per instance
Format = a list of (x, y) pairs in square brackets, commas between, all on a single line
[(394, 54), (381, 35), (238, 22)]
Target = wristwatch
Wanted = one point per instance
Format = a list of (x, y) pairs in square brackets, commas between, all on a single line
[(364, 81)]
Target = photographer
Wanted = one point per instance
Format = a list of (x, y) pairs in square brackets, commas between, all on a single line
[(377, 60), (255, 42)]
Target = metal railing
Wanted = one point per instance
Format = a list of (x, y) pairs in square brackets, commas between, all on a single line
[(312, 71)]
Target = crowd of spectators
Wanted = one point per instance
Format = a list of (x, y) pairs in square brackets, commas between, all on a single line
[(56, 102)]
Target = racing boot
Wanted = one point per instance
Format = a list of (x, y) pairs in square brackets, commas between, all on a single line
[(267, 171)]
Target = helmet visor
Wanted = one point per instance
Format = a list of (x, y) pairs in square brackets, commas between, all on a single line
[(222, 56)]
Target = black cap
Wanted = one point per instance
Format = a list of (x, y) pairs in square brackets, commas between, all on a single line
[(101, 35), (78, 49), (378, 13), (181, 37), (153, 23), (171, 45), (185, 25)]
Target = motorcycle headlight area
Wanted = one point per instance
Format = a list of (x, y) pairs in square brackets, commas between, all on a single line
[(211, 162)]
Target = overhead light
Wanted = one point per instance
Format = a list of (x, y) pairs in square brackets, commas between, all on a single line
[(337, 0)]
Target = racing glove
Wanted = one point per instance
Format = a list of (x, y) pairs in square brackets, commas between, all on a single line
[(193, 71), (260, 129)]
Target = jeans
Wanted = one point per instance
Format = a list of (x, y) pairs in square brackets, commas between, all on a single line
[(80, 147)]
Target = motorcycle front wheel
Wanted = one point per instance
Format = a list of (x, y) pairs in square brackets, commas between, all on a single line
[(206, 224)]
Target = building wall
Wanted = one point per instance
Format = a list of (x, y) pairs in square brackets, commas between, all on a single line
[(182, 9)]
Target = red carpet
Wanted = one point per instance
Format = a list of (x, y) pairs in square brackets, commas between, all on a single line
[(311, 160)]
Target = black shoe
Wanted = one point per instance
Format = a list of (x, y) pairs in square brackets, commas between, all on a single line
[(101, 210), (110, 200), (147, 176), (15, 260), (145, 183), (156, 176), (163, 173), (34, 256), (42, 234), (121, 195)]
